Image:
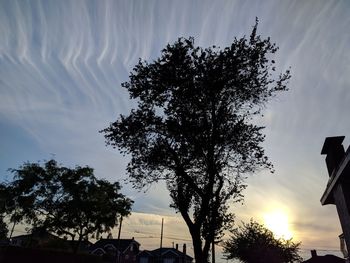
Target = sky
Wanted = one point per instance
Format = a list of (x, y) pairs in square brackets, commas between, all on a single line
[(61, 68)]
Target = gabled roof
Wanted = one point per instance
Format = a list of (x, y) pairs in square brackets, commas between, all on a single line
[(146, 253), (120, 245), (172, 252), (83, 246), (325, 259), (83, 242), (43, 234)]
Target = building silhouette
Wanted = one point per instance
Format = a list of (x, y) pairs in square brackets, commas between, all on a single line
[(338, 187)]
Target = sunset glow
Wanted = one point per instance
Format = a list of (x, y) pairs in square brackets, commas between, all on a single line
[(277, 222)]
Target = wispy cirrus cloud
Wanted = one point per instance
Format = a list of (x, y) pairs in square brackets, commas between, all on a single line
[(62, 63)]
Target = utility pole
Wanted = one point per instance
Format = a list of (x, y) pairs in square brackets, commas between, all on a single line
[(120, 229), (12, 229), (14, 222), (161, 242), (213, 252)]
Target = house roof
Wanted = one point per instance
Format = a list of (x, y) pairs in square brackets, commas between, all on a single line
[(83, 246), (325, 259), (42, 234), (146, 253), (83, 242), (168, 252), (121, 244)]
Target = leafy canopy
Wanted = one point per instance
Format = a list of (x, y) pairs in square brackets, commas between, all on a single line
[(66, 201), (253, 243), (193, 127), (3, 225)]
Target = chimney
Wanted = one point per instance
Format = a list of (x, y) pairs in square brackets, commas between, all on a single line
[(177, 246), (313, 253), (184, 249), (335, 152)]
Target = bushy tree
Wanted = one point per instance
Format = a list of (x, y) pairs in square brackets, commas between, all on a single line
[(253, 243), (3, 229), (3, 211), (70, 202), (193, 127)]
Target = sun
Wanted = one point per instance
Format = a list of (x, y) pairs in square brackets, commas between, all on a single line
[(277, 222)]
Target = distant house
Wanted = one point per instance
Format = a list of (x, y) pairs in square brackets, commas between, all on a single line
[(36, 239), (16, 254), (165, 255), (114, 250), (323, 259), (44, 239)]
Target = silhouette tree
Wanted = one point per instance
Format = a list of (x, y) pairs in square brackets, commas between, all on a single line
[(253, 243), (3, 211), (3, 229), (3, 226), (193, 127), (70, 202)]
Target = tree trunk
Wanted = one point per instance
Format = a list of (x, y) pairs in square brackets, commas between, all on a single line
[(199, 254)]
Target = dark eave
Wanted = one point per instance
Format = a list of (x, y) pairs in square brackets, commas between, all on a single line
[(337, 175)]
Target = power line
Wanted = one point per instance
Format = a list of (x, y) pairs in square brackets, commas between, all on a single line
[(157, 236), (174, 237)]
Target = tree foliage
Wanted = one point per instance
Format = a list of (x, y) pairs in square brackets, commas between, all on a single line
[(3, 208), (253, 243), (70, 202), (193, 127)]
